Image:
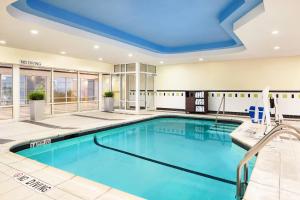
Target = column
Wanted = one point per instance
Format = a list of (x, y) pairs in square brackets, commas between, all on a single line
[(137, 86), (16, 92), (78, 91), (100, 91), (52, 92)]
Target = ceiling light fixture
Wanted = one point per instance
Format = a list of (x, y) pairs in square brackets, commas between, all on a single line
[(34, 32), (2, 42), (100, 59), (130, 55), (161, 62), (63, 52), (276, 48), (275, 32), (201, 59), (96, 46)]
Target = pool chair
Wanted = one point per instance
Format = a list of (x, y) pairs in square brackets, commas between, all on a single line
[(261, 115), (256, 114)]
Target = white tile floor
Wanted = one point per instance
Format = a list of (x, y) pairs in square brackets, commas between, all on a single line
[(276, 174)]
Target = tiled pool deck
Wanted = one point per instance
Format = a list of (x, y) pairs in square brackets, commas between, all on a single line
[(276, 174)]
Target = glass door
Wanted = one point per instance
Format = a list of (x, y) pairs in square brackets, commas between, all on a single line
[(116, 89), (150, 95)]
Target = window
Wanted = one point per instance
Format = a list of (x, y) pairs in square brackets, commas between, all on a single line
[(6, 89)]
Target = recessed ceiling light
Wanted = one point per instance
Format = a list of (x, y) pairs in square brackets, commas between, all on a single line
[(100, 59), (275, 32), (161, 62), (34, 32), (130, 55), (96, 46), (201, 59), (63, 52), (276, 48), (2, 42)]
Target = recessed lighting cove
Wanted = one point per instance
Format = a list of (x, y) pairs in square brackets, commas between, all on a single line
[(34, 32), (276, 47)]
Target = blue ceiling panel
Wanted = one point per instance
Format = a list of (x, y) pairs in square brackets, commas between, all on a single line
[(162, 26)]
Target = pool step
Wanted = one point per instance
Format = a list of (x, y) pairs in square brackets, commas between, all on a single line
[(221, 129), (226, 125)]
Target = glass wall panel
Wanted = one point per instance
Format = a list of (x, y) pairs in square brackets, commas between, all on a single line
[(130, 67), (117, 68), (116, 90), (151, 69), (65, 92), (150, 92), (130, 91), (143, 91), (143, 68), (105, 83), (123, 91), (6, 93), (89, 91), (123, 68), (31, 80)]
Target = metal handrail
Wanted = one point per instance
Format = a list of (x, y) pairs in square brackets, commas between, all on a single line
[(277, 130), (218, 112)]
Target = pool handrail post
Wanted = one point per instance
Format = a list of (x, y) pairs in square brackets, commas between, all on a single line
[(276, 131)]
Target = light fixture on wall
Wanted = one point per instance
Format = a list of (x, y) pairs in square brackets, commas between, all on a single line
[(34, 32), (161, 62), (275, 32), (96, 46), (276, 48), (63, 52), (201, 59), (2, 42), (100, 59), (130, 55)]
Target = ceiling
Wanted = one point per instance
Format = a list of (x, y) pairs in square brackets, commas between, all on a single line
[(158, 26), (251, 32)]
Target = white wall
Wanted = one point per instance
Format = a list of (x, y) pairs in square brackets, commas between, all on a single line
[(278, 73), (12, 55)]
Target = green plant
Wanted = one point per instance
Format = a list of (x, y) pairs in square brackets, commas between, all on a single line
[(37, 94), (108, 94)]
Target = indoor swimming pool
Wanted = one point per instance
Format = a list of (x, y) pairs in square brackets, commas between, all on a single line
[(160, 158)]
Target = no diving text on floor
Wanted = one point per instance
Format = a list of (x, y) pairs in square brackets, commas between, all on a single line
[(32, 183)]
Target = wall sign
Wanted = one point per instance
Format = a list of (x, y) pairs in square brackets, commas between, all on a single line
[(30, 62), (32, 182), (40, 143)]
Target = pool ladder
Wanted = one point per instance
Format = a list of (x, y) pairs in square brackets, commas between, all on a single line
[(276, 131), (218, 112)]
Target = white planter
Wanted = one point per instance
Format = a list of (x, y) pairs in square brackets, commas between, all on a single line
[(108, 104), (37, 110)]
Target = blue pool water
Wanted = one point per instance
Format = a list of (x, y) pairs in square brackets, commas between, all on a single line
[(193, 144)]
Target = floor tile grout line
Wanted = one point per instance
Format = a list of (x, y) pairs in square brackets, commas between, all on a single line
[(107, 191), (280, 168)]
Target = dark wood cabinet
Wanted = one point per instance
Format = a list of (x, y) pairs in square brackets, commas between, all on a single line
[(196, 101)]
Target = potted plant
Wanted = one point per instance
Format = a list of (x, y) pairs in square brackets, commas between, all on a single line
[(37, 104), (108, 101)]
